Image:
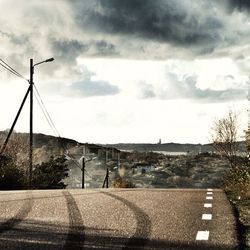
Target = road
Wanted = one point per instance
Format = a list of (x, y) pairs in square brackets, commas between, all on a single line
[(116, 219)]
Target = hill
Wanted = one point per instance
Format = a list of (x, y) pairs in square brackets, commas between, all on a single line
[(169, 147), (57, 144)]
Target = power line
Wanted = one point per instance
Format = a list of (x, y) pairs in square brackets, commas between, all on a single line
[(44, 110), (53, 127), (11, 70), (44, 113), (51, 123)]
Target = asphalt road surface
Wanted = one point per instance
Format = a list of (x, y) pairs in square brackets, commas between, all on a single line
[(117, 219)]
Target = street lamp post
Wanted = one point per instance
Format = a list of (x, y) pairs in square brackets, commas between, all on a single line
[(31, 122), (31, 116)]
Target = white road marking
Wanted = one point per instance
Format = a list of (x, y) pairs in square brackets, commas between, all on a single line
[(207, 204), (207, 216), (209, 197), (202, 235)]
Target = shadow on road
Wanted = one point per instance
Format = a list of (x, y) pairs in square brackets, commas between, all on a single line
[(32, 235), (20, 233), (75, 238), (143, 223), (20, 216)]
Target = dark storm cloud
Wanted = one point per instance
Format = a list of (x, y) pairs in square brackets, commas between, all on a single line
[(105, 48), (164, 21), (240, 5), (138, 29), (134, 29), (19, 40), (68, 50)]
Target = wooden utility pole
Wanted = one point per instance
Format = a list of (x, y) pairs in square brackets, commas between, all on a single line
[(29, 91), (31, 124), (106, 180)]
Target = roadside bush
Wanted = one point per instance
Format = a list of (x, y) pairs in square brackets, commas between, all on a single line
[(11, 176), (237, 182), (120, 182), (179, 181), (49, 175)]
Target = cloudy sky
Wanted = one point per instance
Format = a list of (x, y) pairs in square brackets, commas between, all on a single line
[(127, 70)]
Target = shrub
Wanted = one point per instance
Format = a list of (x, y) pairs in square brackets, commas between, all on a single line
[(120, 182), (237, 181), (49, 175), (11, 177)]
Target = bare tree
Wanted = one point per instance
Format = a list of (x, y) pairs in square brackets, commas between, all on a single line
[(16, 149), (224, 134), (247, 134)]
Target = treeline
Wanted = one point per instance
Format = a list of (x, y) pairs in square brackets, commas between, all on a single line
[(47, 175)]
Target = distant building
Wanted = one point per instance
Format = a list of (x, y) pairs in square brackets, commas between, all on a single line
[(96, 156), (144, 168), (159, 142)]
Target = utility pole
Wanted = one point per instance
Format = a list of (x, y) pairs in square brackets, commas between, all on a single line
[(83, 170), (118, 160), (107, 178), (31, 115), (31, 124), (29, 91)]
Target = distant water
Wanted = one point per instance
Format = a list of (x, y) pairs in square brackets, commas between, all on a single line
[(170, 153), (159, 152)]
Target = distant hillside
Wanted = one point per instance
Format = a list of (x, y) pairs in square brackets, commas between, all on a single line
[(57, 144), (40, 140), (168, 147)]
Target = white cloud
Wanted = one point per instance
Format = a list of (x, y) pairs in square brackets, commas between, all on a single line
[(158, 72), (214, 80)]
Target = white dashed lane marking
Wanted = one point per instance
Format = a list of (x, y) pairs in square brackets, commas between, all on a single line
[(207, 216), (209, 197), (202, 235), (208, 205)]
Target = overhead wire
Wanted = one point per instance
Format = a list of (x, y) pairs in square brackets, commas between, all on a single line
[(45, 112), (11, 70), (53, 127), (43, 108)]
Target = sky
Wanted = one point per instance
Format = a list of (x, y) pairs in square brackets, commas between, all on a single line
[(131, 71)]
